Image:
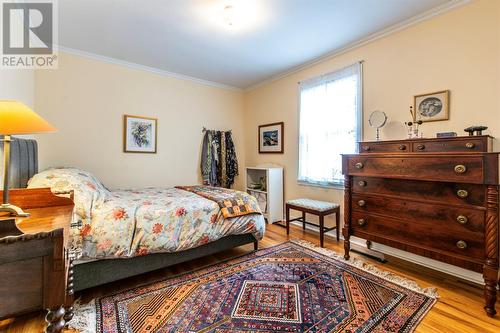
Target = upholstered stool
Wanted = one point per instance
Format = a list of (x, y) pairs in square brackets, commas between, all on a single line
[(315, 207)]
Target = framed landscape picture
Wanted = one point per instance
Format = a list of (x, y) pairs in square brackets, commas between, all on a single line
[(139, 134), (271, 138), (433, 106)]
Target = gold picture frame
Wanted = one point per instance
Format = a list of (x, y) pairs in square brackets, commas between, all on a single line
[(434, 106), (140, 134)]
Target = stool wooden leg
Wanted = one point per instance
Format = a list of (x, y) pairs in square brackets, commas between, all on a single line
[(304, 220), (321, 230), (287, 220), (337, 221)]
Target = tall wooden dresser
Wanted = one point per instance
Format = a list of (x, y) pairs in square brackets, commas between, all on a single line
[(433, 197)]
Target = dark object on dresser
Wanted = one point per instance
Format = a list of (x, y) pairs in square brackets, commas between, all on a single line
[(35, 268), (478, 129), (441, 204), (446, 134)]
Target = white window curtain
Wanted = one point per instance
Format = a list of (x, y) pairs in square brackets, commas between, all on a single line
[(330, 120)]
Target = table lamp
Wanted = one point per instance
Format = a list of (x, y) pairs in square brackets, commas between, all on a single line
[(16, 118)]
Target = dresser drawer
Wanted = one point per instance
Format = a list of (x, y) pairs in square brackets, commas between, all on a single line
[(450, 145), (440, 218), (464, 169), (452, 193), (384, 147), (466, 243)]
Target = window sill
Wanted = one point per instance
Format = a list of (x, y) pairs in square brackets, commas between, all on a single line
[(331, 187)]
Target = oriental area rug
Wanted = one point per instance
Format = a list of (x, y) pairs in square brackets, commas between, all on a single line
[(291, 287)]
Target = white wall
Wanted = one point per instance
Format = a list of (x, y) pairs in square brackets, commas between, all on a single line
[(18, 84), (86, 99)]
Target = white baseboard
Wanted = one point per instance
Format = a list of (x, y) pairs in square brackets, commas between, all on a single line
[(378, 250)]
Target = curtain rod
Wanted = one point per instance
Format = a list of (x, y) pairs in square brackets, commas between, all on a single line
[(204, 129), (357, 62)]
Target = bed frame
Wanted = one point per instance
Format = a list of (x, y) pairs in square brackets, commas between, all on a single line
[(24, 164)]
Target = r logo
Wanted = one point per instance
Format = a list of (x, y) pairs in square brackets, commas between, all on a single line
[(27, 28)]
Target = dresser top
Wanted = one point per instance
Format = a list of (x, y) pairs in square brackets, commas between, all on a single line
[(464, 137)]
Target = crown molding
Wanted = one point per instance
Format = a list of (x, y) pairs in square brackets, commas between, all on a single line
[(369, 39), (153, 70)]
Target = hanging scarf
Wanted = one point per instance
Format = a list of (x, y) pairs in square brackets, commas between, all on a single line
[(231, 160), (219, 165)]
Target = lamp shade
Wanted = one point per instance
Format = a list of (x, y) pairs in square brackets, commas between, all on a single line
[(17, 118)]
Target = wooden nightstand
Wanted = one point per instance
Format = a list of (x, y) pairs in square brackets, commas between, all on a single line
[(35, 266)]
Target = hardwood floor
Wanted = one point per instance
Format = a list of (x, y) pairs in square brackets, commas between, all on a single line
[(459, 308)]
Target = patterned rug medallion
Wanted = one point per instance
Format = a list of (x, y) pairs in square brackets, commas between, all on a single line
[(285, 288)]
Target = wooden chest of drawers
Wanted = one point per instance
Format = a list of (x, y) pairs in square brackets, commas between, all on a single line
[(440, 205)]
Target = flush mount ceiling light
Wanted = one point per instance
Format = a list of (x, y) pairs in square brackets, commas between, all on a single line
[(234, 15), (228, 16)]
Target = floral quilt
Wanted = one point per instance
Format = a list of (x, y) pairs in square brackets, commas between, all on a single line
[(127, 223)]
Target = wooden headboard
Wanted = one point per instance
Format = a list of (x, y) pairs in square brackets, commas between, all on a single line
[(23, 161)]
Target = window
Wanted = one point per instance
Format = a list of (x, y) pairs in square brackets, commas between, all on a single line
[(330, 124)]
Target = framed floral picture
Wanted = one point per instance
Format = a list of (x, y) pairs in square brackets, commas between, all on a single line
[(271, 138), (433, 106), (139, 134)]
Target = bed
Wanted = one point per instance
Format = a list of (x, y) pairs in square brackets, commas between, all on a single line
[(122, 233)]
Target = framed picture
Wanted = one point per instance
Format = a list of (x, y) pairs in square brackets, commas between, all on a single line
[(271, 138), (432, 107), (139, 134)]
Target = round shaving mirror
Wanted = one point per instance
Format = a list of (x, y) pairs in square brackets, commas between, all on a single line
[(377, 120)]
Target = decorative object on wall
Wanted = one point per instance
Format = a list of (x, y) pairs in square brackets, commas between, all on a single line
[(139, 134), (219, 165), (478, 129), (413, 125), (377, 120), (271, 137), (432, 106)]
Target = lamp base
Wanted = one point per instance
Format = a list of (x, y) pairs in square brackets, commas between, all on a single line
[(13, 210)]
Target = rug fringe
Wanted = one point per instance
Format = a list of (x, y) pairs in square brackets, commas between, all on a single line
[(388, 276), (84, 319)]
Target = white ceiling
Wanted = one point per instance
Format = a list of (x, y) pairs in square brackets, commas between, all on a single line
[(189, 37)]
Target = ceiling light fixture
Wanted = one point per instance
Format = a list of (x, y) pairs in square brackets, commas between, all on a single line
[(229, 16)]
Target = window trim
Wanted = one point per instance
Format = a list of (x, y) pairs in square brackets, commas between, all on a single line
[(359, 120)]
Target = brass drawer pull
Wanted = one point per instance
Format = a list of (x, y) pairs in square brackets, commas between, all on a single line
[(362, 183), (361, 222), (420, 147), (359, 165), (366, 148), (460, 168), (462, 194), (462, 219), (361, 203), (470, 145), (402, 147), (461, 245)]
